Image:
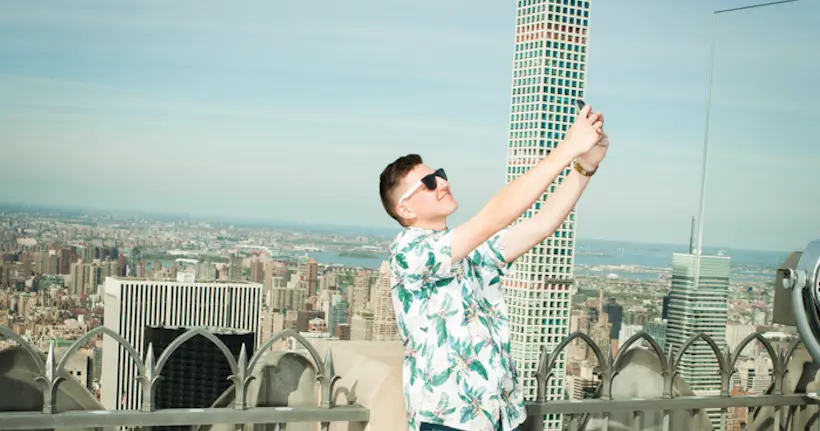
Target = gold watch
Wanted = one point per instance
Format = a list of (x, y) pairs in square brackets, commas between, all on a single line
[(583, 171)]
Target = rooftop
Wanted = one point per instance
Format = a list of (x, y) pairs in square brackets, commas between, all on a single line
[(174, 282)]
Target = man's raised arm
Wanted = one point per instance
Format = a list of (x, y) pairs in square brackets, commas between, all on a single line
[(519, 195), (522, 237)]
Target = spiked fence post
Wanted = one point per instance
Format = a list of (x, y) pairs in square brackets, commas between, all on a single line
[(148, 381), (328, 379), (49, 381)]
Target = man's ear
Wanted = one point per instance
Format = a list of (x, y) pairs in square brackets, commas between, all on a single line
[(404, 212)]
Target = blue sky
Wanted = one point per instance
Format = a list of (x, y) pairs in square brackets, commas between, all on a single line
[(289, 110)]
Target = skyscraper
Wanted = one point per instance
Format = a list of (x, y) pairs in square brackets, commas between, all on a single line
[(257, 270), (311, 277), (235, 268), (132, 305), (385, 327), (549, 73), (615, 312), (699, 309), (77, 278), (359, 296)]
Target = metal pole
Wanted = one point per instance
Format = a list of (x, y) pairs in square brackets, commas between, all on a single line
[(702, 203), (754, 6)]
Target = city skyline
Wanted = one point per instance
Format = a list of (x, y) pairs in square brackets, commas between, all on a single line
[(178, 108), (40, 299), (296, 225)]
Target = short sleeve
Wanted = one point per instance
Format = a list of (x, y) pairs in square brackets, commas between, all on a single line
[(490, 254), (426, 256)]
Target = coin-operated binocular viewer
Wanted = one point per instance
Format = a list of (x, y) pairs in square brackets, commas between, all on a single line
[(797, 296)]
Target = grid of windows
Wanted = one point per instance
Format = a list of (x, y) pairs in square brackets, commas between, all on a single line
[(549, 73)]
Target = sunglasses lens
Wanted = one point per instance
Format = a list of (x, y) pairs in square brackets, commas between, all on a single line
[(441, 173), (430, 182)]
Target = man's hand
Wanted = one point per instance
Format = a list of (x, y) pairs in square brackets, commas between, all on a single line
[(522, 237), (584, 133), (593, 157), (519, 195)]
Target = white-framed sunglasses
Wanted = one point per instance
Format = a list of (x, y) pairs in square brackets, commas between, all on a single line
[(428, 181)]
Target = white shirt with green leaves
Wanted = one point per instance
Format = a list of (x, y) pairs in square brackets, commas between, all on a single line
[(457, 370)]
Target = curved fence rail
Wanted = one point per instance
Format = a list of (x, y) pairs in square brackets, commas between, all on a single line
[(609, 367), (51, 373), (782, 403)]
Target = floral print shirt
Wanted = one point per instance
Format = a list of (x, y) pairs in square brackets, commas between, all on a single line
[(453, 320)]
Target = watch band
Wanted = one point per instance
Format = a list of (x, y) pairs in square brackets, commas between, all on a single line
[(583, 171)]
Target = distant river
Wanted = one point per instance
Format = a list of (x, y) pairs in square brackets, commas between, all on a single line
[(331, 257), (594, 253)]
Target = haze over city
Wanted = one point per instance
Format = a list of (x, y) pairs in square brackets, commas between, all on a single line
[(283, 111)]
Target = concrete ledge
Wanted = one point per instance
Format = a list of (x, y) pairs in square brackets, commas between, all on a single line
[(19, 392), (371, 376)]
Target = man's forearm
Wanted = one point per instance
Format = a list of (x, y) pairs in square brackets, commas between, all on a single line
[(559, 205), (525, 235), (519, 195)]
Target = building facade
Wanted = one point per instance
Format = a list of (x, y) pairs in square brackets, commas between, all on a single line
[(699, 308), (131, 305), (549, 74)]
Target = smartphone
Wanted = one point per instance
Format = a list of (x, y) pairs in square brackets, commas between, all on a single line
[(580, 104)]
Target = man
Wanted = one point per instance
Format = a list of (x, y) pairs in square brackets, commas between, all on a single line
[(458, 373)]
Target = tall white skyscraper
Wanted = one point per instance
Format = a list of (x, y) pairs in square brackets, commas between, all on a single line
[(694, 310), (131, 305), (549, 73)]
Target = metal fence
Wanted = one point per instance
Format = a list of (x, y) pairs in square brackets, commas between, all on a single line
[(52, 373), (777, 408), (767, 411)]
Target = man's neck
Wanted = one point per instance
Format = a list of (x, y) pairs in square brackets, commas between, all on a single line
[(431, 225)]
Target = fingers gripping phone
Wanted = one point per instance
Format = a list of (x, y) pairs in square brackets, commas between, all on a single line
[(580, 104)]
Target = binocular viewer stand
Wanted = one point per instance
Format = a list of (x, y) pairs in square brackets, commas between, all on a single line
[(797, 297)]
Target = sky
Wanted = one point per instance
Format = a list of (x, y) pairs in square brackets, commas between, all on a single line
[(290, 110)]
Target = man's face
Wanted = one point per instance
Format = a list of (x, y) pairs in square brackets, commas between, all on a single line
[(419, 204)]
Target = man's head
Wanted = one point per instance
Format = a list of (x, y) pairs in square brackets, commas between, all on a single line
[(416, 195)]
